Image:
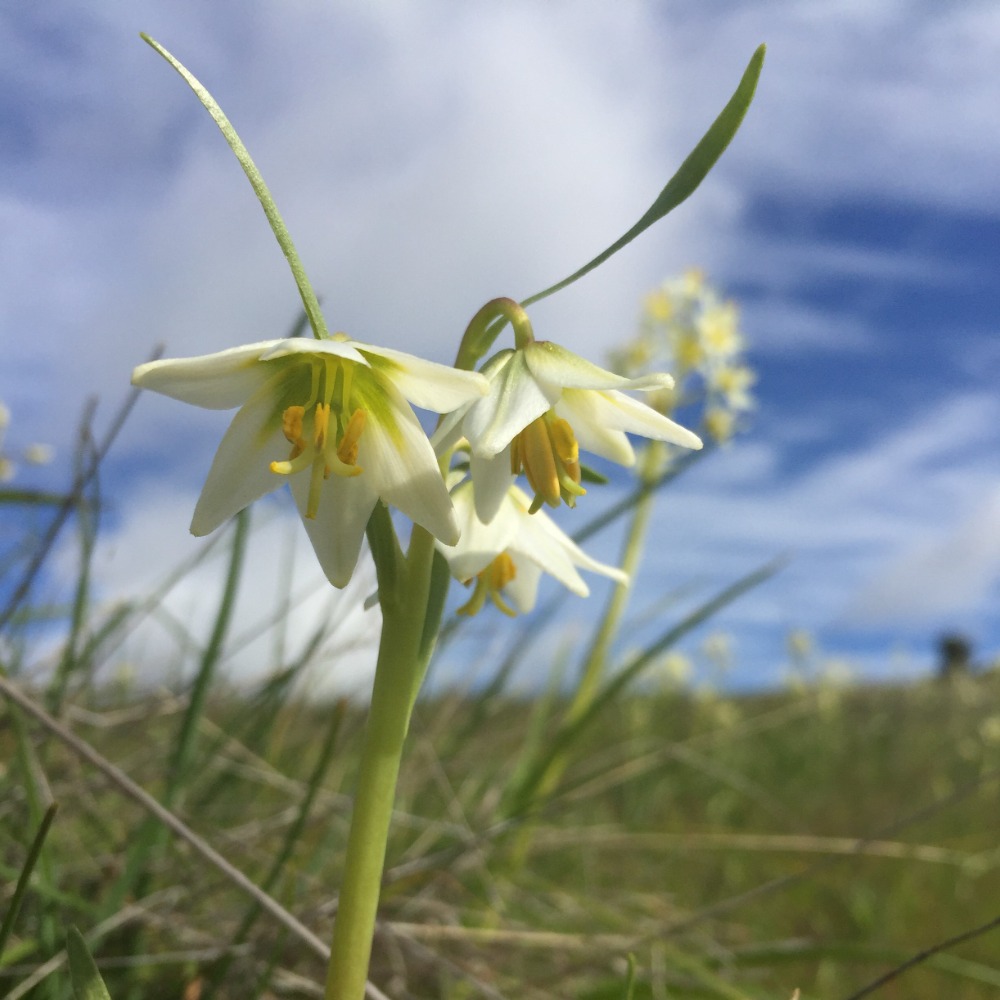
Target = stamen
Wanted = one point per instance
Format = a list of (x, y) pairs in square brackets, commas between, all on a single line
[(539, 462), (347, 450), (489, 583), (321, 423)]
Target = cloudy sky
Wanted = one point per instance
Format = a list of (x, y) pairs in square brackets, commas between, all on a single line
[(428, 157)]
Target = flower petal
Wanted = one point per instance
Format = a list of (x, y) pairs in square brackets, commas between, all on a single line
[(338, 529), (480, 543), (345, 349), (582, 409), (240, 471), (514, 400), (217, 381), (491, 479), (540, 539), (522, 591), (426, 384), (556, 366), (621, 412), (603, 413), (401, 465)]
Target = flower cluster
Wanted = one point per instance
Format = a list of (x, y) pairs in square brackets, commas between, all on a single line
[(333, 418), (32, 454), (687, 327)]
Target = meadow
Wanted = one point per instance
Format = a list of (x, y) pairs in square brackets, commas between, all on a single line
[(734, 846)]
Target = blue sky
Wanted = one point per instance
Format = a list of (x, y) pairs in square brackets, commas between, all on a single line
[(430, 156)]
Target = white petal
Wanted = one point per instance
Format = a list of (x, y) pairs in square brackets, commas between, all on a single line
[(216, 381), (338, 529), (426, 384), (480, 544), (449, 431), (514, 400), (522, 591), (491, 479), (582, 409), (543, 541), (402, 468), (623, 413), (310, 345), (241, 471), (555, 365)]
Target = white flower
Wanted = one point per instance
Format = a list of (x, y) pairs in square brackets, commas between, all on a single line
[(507, 557), (330, 416), (544, 404)]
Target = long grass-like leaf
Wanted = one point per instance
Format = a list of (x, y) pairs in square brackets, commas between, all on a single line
[(87, 982), (689, 175), (522, 795), (24, 877)]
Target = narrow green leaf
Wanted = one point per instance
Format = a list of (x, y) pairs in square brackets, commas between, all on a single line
[(690, 174), (87, 982), (309, 301), (630, 979), (25, 875)]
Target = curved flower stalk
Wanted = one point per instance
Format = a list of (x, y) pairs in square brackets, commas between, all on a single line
[(544, 404), (506, 558), (331, 417)]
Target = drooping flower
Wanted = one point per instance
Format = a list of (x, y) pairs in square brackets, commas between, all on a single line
[(545, 403), (504, 560), (331, 418)]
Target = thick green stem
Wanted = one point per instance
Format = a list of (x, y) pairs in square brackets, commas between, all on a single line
[(398, 675)]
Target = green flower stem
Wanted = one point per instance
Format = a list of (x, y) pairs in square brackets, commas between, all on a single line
[(596, 663), (398, 675), (486, 325), (278, 227), (593, 671)]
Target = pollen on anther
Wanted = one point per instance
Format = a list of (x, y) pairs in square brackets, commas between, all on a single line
[(347, 450)]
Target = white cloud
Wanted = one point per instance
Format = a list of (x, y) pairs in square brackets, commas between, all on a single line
[(282, 603)]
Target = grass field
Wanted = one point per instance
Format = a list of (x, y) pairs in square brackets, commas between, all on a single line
[(737, 847)]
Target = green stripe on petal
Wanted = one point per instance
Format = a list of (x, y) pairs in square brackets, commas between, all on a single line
[(555, 365), (426, 384), (396, 456), (240, 471), (338, 529), (515, 399)]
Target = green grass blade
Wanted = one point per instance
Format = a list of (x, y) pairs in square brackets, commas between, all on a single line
[(87, 982), (25, 876), (690, 174), (523, 793)]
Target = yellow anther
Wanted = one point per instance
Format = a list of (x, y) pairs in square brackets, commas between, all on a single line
[(549, 453), (539, 462), (347, 450), (489, 583), (501, 571), (564, 441), (291, 427)]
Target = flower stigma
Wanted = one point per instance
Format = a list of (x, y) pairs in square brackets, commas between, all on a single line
[(489, 583), (548, 452), (323, 437)]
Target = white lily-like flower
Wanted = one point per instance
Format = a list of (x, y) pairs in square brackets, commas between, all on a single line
[(507, 557), (544, 404), (331, 417)]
